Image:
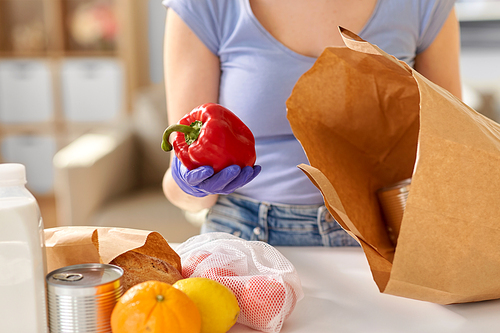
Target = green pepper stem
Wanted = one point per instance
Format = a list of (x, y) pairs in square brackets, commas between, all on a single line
[(191, 133)]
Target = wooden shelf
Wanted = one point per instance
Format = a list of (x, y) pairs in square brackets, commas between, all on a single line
[(22, 26), (29, 128), (52, 36), (58, 54)]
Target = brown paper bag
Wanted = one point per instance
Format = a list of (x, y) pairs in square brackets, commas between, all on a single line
[(67, 246), (366, 121)]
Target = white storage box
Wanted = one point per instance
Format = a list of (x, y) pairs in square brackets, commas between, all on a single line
[(92, 89), (36, 153), (481, 73), (26, 93)]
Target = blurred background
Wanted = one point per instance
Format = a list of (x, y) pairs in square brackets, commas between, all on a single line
[(82, 105)]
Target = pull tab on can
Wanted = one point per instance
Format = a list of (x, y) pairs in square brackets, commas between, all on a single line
[(68, 277)]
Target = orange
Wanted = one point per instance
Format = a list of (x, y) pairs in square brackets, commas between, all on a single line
[(155, 306)]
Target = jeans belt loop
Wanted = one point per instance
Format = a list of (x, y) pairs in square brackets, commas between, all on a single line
[(261, 231), (325, 220)]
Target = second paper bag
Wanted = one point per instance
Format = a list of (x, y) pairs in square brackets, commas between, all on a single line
[(367, 121)]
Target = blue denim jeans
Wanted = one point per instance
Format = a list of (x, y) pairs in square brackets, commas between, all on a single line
[(276, 224)]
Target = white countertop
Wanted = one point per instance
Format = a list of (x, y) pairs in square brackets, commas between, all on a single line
[(341, 297)]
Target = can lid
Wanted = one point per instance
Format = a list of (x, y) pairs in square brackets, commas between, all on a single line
[(12, 174), (84, 275)]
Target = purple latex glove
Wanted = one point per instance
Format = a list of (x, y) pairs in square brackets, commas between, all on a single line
[(202, 181)]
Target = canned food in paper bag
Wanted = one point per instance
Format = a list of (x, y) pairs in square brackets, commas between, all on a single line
[(393, 202), (82, 297)]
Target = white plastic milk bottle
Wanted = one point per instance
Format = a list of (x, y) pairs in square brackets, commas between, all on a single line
[(22, 256)]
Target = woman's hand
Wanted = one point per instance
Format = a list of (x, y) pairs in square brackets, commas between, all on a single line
[(202, 181)]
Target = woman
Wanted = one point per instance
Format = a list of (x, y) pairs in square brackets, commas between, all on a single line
[(247, 56)]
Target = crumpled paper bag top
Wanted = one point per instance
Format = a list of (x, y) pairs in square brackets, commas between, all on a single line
[(358, 118), (367, 121)]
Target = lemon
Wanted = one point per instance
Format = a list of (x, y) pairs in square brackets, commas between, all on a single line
[(218, 306)]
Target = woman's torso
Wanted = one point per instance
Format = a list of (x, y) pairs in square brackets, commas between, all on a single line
[(264, 47)]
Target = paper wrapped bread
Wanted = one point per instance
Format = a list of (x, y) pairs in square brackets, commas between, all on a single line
[(143, 255)]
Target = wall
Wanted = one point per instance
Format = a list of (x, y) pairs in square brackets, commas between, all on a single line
[(157, 15)]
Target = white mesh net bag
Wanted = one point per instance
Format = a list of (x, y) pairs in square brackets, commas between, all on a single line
[(265, 283)]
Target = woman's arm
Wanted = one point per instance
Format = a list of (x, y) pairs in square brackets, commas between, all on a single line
[(192, 75), (440, 62)]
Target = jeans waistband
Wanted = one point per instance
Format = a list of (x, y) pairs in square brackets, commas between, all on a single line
[(284, 216), (277, 224)]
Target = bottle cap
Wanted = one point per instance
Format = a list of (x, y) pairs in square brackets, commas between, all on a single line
[(12, 174)]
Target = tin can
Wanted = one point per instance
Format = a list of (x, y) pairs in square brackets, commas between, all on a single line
[(82, 297), (392, 200)]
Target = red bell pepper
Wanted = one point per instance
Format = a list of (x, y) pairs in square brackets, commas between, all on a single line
[(214, 136)]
